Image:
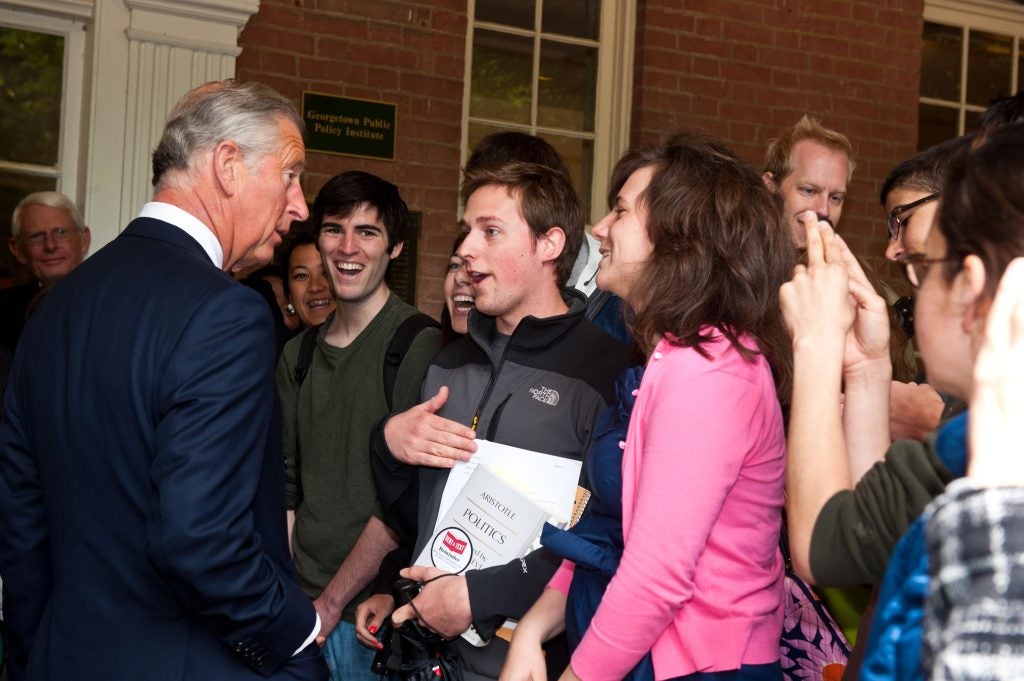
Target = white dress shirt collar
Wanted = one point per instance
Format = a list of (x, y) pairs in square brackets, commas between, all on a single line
[(189, 224)]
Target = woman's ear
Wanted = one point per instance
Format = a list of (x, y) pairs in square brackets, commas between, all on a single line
[(970, 292)]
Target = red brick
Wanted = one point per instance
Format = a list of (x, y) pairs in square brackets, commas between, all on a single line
[(281, 63), (710, 27), (332, 71), (258, 35), (790, 59), (664, 39)]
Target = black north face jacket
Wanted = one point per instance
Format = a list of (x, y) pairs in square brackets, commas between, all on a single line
[(542, 391)]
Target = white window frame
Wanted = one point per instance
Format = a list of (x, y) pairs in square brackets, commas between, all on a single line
[(69, 21), (613, 93), (1004, 17)]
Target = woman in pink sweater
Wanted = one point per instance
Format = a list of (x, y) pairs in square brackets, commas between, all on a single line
[(695, 246)]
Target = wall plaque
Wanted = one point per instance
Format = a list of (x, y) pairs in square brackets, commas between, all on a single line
[(350, 127)]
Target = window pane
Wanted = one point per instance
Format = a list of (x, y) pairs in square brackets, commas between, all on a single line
[(579, 154), (519, 13), (971, 119), (935, 124), (13, 188), (579, 18), (31, 70), (940, 62), (502, 72), (566, 91), (478, 131), (989, 60)]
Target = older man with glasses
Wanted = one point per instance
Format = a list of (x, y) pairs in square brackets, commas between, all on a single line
[(48, 237)]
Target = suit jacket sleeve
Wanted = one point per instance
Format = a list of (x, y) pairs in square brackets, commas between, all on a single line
[(24, 538), (212, 450)]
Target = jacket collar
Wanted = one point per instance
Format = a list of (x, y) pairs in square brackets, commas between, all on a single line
[(533, 334)]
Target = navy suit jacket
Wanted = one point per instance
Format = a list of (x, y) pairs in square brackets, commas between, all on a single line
[(142, 512)]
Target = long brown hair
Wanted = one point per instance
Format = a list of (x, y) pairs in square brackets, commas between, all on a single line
[(721, 251)]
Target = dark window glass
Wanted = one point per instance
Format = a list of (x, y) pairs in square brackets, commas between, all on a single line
[(989, 64), (518, 13), (578, 18), (31, 74), (935, 124), (940, 62), (502, 73), (566, 87)]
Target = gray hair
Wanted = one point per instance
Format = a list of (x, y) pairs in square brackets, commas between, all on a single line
[(51, 200), (245, 113)]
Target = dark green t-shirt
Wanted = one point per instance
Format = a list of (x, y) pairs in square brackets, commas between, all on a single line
[(327, 423)]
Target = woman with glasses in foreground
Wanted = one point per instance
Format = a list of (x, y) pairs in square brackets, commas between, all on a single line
[(840, 339), (691, 582)]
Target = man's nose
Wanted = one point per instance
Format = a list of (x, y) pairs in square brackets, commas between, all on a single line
[(467, 248)]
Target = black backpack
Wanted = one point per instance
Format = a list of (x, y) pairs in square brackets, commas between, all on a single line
[(400, 343)]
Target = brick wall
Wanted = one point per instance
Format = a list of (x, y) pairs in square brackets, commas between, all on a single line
[(740, 69), (406, 52), (745, 69)]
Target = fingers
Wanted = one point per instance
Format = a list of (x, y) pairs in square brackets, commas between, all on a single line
[(399, 617), (1002, 329), (370, 616), (814, 249), (434, 404), (419, 437), (821, 240), (421, 573)]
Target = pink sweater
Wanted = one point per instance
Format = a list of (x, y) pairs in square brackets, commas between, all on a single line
[(700, 582)]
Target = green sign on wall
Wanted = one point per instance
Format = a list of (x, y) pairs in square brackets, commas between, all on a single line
[(352, 127)]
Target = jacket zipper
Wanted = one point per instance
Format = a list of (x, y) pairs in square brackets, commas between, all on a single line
[(494, 379), (492, 427)]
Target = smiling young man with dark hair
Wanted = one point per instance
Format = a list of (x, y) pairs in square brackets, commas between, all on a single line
[(331, 405)]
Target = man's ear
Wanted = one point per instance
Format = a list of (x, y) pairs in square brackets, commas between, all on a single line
[(551, 243), (16, 250), (769, 181), (396, 250), (228, 167), (86, 240), (969, 289)]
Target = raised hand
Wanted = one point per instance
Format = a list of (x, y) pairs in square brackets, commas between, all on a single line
[(816, 303), (997, 399)]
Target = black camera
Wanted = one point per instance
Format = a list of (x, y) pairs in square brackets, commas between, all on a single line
[(412, 651)]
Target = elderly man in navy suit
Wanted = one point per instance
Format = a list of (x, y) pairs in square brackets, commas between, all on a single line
[(142, 514)]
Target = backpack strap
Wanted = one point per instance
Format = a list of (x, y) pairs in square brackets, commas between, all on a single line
[(305, 358), (400, 343)]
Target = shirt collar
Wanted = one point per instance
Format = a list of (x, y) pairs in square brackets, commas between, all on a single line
[(189, 224)]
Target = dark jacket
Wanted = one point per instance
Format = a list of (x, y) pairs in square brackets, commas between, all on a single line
[(543, 392), (142, 517)]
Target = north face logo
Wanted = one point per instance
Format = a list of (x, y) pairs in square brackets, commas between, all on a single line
[(545, 395)]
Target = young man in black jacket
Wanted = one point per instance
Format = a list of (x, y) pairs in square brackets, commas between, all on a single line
[(533, 372)]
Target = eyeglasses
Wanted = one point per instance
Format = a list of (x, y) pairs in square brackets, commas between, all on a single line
[(57, 234), (897, 222), (916, 266)]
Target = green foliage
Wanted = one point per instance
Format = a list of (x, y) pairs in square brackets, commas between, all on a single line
[(31, 73)]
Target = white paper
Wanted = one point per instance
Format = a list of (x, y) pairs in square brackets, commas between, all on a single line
[(549, 480), (489, 523)]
